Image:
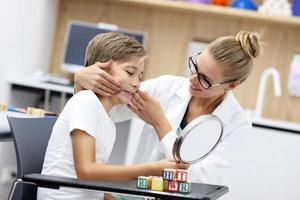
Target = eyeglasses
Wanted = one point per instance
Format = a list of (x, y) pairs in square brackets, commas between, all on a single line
[(202, 78)]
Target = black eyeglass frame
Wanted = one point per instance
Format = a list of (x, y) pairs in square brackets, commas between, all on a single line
[(201, 76)]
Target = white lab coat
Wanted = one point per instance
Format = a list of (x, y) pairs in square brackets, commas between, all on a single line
[(173, 94)]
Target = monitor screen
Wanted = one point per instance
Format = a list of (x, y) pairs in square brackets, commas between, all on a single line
[(79, 34)]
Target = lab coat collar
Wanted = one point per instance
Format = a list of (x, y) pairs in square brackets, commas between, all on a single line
[(224, 110)]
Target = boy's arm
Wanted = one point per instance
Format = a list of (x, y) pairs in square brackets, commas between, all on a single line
[(84, 153)]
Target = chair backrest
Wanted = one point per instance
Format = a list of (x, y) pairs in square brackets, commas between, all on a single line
[(30, 136)]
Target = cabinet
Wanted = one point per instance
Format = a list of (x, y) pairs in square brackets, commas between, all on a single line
[(30, 92)]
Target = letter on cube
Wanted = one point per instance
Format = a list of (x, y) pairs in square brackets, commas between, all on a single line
[(157, 184), (143, 182), (173, 186), (184, 187), (181, 175), (169, 174)]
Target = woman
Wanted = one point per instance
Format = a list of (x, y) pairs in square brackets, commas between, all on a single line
[(220, 68)]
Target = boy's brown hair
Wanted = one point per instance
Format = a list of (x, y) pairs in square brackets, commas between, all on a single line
[(112, 45)]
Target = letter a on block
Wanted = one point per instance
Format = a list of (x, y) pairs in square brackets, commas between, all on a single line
[(181, 175)]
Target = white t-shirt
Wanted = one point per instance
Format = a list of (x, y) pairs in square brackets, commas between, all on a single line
[(83, 111)]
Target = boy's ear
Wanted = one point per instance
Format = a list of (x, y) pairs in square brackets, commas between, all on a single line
[(106, 66)]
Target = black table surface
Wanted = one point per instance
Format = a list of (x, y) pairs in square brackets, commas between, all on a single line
[(199, 191)]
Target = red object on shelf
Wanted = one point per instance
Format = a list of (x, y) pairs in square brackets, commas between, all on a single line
[(221, 2)]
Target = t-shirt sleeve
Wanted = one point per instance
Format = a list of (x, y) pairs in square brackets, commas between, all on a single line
[(84, 113)]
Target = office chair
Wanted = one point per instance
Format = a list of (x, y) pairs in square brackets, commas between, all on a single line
[(31, 135)]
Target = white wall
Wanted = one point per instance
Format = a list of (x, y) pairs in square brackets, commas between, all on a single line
[(267, 167), (26, 36), (27, 29)]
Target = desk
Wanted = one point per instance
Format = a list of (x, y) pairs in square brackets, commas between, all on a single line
[(199, 191), (45, 88)]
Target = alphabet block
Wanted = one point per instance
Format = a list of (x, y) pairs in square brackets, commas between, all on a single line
[(169, 174), (35, 112), (157, 184), (184, 187), (143, 182), (181, 175), (166, 183), (173, 186), (3, 107)]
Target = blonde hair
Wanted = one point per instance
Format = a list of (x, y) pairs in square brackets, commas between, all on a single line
[(236, 53), (112, 45)]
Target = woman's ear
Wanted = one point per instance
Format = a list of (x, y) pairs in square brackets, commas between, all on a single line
[(233, 85)]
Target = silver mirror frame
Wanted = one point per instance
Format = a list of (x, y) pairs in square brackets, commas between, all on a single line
[(186, 131)]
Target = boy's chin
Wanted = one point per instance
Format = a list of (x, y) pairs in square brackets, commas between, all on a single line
[(124, 100)]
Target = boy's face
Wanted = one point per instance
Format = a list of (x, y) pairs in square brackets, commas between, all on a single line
[(129, 74)]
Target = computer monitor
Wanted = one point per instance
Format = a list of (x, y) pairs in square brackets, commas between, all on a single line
[(79, 34)]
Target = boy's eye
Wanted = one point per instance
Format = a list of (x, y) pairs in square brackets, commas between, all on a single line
[(129, 72)]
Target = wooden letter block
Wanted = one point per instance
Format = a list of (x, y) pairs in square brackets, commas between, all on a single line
[(3, 107), (185, 187), (157, 184), (166, 184), (173, 186), (181, 175), (35, 112), (143, 182), (169, 174)]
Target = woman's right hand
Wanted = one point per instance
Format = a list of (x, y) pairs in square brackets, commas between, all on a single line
[(95, 78), (159, 166)]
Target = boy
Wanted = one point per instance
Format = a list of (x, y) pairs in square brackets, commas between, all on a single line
[(84, 134)]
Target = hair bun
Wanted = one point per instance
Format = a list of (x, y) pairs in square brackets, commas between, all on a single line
[(249, 42)]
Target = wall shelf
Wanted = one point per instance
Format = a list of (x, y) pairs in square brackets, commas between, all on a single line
[(172, 25), (214, 10)]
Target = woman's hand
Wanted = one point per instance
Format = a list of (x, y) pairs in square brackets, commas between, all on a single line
[(159, 166), (149, 109), (95, 78)]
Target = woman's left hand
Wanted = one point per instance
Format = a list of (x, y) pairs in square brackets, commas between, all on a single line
[(150, 110)]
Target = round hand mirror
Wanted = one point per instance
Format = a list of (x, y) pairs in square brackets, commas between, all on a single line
[(198, 139)]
